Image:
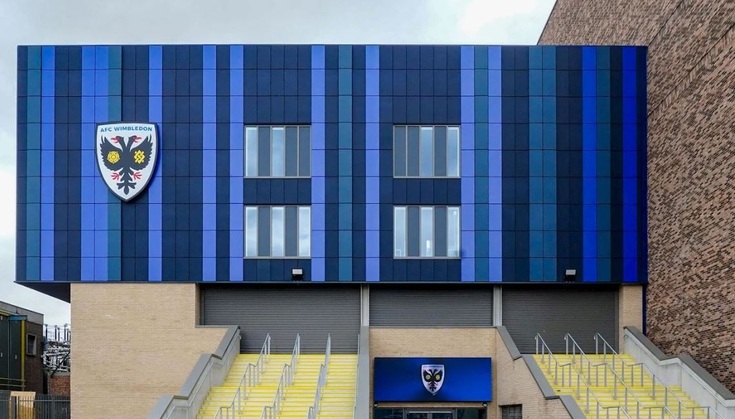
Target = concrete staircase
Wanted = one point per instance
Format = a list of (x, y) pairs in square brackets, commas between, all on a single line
[(338, 399), (615, 385), (338, 396)]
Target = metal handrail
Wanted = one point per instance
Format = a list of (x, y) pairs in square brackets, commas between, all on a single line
[(545, 351), (272, 411), (605, 347), (589, 394), (357, 371), (250, 378), (654, 378), (321, 381)]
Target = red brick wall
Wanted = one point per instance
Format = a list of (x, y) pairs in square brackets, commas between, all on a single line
[(691, 161), (60, 384)]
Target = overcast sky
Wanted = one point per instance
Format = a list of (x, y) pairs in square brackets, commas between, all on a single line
[(47, 22)]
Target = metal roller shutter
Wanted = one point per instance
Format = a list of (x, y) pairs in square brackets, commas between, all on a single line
[(285, 311), (555, 312), (431, 307)]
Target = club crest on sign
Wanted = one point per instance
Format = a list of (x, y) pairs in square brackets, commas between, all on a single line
[(432, 376), (126, 156)]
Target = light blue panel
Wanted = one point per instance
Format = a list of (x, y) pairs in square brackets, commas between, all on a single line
[(495, 110), (317, 181), (236, 245), (209, 265), (155, 188), (237, 57), (495, 247), (495, 138), (372, 269), (372, 190), (372, 221), (237, 141), (209, 218)]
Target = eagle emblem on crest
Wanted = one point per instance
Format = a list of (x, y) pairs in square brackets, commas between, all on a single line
[(432, 376), (126, 156)]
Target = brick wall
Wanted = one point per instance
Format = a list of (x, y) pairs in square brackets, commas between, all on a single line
[(691, 161), (34, 363), (133, 343), (60, 384)]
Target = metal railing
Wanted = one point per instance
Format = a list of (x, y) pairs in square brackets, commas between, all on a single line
[(321, 381), (272, 411), (250, 378), (357, 373), (607, 349), (547, 357), (41, 406), (591, 402)]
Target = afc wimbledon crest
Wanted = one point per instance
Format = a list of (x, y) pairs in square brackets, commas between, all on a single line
[(126, 156), (432, 375)]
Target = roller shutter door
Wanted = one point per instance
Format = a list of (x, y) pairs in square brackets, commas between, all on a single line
[(555, 312), (443, 307), (283, 312)]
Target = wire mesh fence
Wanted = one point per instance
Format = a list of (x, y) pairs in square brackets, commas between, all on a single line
[(25, 405)]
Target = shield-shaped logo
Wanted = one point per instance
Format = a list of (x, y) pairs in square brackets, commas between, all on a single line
[(126, 156), (432, 376)]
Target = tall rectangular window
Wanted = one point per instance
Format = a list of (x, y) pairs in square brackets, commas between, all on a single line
[(426, 151), (277, 151), (277, 232), (426, 232)]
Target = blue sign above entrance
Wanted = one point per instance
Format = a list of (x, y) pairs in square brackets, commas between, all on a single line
[(432, 380)]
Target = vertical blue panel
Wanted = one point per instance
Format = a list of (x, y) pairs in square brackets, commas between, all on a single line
[(101, 193), (155, 189), (372, 163), (630, 172), (318, 197), (467, 160), (346, 146), (589, 165), (88, 162), (237, 132), (549, 157), (47, 162), (209, 164), (114, 211)]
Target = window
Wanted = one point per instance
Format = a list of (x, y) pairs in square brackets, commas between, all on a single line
[(278, 151), (426, 232), (426, 151), (514, 411), (31, 345), (278, 232)]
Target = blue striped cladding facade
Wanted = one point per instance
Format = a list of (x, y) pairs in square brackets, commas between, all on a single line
[(553, 160)]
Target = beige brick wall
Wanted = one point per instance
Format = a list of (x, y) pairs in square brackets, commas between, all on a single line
[(133, 343), (512, 381), (515, 385), (630, 309), (691, 84)]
